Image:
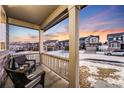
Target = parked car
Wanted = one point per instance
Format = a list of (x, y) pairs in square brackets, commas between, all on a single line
[(115, 52)]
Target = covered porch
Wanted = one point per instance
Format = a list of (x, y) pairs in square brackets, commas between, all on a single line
[(60, 71)]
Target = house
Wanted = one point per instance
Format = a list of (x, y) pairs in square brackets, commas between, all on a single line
[(63, 44), (92, 43), (116, 41), (82, 42), (31, 46), (51, 45), (89, 43), (16, 46)]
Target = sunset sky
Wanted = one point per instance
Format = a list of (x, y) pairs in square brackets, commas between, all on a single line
[(20, 34), (94, 20)]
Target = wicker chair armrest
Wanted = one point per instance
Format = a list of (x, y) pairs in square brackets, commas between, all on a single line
[(37, 78), (32, 60), (33, 75), (33, 82)]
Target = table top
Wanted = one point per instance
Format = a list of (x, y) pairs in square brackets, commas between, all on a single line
[(24, 70)]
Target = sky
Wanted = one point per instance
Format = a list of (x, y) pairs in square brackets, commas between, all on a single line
[(93, 20), (101, 20), (21, 34)]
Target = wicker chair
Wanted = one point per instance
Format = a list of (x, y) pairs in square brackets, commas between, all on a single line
[(22, 60)]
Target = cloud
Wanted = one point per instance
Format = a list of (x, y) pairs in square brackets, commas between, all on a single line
[(100, 15), (62, 34), (29, 38)]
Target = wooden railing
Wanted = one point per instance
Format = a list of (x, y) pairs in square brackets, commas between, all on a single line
[(59, 65), (35, 56)]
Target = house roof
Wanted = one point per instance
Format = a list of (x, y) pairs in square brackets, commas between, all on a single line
[(115, 41), (116, 34), (64, 41)]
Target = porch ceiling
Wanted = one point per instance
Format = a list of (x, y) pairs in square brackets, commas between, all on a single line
[(35, 14)]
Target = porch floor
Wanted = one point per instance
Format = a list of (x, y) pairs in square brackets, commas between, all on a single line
[(51, 80)]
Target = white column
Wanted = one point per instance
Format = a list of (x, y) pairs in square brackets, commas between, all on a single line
[(73, 46), (41, 48)]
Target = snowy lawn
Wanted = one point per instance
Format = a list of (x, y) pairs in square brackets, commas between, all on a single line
[(98, 70)]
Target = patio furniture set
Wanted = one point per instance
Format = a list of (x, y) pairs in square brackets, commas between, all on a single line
[(22, 72)]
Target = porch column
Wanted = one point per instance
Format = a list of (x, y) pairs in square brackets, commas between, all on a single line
[(73, 46), (41, 48), (7, 36)]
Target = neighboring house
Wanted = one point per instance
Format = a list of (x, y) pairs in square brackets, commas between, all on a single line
[(89, 43), (31, 46), (51, 45), (82, 42), (15, 47), (92, 43), (23, 46), (116, 41), (63, 44)]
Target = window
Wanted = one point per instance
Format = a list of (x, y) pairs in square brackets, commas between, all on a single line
[(114, 38), (110, 39), (113, 45)]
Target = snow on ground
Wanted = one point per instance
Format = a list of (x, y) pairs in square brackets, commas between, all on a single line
[(106, 62)]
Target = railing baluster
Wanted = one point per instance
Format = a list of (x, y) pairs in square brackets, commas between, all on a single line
[(62, 67), (47, 58), (51, 62), (54, 64), (65, 64), (57, 64)]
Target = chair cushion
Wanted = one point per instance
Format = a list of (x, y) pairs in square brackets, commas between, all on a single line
[(20, 59)]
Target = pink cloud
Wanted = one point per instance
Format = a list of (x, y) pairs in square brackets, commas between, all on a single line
[(26, 39)]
